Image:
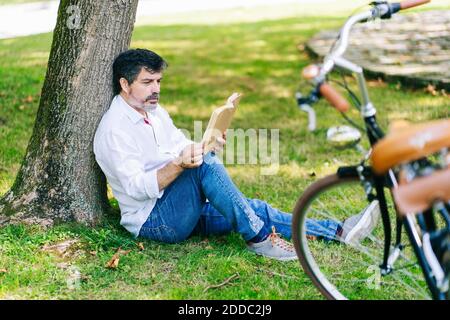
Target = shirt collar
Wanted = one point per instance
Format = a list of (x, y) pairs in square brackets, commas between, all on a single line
[(134, 115)]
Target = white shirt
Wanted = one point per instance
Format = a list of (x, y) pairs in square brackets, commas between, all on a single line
[(129, 151)]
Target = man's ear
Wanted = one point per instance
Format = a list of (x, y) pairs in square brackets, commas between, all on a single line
[(124, 85)]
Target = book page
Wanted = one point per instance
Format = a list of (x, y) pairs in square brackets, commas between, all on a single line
[(219, 122)]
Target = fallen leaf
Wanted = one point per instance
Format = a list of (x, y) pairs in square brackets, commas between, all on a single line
[(114, 262), (93, 253), (29, 99), (431, 89), (140, 245), (123, 252), (3, 271)]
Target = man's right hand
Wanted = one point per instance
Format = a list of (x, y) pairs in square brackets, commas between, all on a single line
[(191, 156)]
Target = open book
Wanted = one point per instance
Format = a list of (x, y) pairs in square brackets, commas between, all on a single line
[(219, 122)]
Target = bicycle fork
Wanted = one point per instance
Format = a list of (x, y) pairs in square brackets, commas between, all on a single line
[(365, 175), (389, 259)]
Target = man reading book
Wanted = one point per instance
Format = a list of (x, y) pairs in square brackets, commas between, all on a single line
[(168, 189)]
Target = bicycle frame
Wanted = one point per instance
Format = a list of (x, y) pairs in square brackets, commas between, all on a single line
[(373, 131), (364, 173)]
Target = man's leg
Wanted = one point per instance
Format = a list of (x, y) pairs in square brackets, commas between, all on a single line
[(282, 221), (176, 214), (352, 230), (226, 199), (213, 222)]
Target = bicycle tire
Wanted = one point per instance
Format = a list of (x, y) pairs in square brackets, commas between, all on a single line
[(339, 276)]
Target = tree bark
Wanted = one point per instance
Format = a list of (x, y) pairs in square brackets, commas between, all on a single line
[(59, 180)]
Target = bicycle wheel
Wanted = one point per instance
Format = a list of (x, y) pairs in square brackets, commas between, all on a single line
[(343, 271)]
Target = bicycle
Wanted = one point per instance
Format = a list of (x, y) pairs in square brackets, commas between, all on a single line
[(417, 180)]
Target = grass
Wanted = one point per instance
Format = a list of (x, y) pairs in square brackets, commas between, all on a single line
[(207, 63), (10, 2)]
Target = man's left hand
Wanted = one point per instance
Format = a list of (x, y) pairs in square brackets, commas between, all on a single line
[(220, 143)]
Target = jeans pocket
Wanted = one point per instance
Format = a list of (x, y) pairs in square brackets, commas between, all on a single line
[(162, 233)]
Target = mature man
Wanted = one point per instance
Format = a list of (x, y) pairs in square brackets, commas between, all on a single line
[(168, 189)]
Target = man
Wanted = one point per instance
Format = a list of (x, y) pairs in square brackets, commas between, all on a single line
[(168, 189)]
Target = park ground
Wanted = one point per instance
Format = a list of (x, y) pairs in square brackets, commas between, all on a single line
[(207, 62)]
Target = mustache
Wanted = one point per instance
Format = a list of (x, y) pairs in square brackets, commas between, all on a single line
[(153, 97)]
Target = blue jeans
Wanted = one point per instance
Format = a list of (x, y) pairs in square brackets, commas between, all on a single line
[(183, 210)]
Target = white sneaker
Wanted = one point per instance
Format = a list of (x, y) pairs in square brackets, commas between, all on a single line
[(358, 227), (274, 247)]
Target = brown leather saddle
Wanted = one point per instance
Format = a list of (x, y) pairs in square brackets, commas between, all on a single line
[(405, 143)]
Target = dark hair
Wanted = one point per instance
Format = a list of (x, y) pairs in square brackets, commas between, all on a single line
[(129, 63)]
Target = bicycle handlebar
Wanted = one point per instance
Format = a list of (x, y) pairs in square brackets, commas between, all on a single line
[(381, 9), (406, 4), (334, 97), (318, 74)]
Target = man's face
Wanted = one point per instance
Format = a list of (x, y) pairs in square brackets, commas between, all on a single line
[(144, 91)]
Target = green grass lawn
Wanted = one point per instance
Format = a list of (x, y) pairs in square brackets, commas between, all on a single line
[(207, 63), (8, 2)]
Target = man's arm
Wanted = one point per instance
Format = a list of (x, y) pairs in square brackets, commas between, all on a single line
[(168, 174), (190, 157)]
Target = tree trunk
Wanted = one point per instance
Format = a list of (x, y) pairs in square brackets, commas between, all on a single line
[(59, 179)]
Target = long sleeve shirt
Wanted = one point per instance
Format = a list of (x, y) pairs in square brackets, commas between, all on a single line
[(130, 149)]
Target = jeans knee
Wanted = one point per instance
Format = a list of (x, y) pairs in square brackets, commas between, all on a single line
[(210, 159), (210, 162), (257, 204)]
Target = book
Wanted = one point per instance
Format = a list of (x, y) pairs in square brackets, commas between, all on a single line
[(219, 122)]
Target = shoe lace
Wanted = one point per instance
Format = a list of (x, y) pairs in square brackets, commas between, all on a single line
[(276, 240)]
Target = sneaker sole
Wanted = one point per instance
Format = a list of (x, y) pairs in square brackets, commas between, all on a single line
[(359, 231), (276, 258), (280, 259)]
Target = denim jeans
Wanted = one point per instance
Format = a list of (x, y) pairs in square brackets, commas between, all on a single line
[(205, 201)]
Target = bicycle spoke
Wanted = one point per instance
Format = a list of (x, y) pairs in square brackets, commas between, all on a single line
[(347, 267)]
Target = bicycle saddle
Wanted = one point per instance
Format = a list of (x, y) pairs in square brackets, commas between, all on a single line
[(407, 142)]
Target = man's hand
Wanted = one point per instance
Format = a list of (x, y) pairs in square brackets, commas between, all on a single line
[(220, 143), (191, 156)]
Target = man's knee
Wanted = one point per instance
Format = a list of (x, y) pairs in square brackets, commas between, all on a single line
[(211, 159), (257, 204)]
